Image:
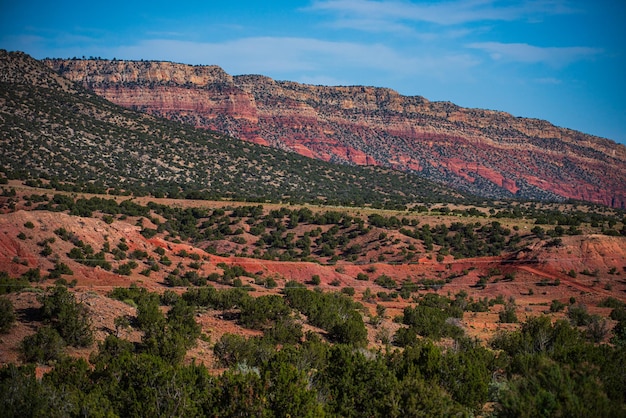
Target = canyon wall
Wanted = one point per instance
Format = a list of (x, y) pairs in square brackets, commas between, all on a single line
[(489, 153)]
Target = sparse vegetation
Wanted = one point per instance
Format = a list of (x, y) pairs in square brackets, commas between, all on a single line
[(266, 272)]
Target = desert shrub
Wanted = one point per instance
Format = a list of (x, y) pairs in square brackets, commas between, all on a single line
[(334, 312), (597, 329), (578, 315), (231, 272), (405, 337), (8, 284), (385, 281), (205, 296), (348, 291), (45, 345), (165, 261), (538, 335), (508, 314), (611, 302), (557, 306), (148, 232), (126, 269), (132, 293), (122, 245), (552, 389), (59, 269), (233, 349), (194, 278), (261, 312), (430, 321), (7, 315), (618, 314), (118, 254), (138, 254), (32, 275), (349, 330), (480, 305), (168, 337), (619, 334), (284, 331), (270, 283), (68, 317), (209, 297), (180, 334), (357, 386), (46, 251), (169, 298)]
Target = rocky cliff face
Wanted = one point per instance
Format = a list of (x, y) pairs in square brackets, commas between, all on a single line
[(486, 152)]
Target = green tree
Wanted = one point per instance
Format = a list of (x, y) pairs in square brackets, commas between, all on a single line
[(578, 314), (7, 315), (260, 312), (550, 389), (356, 386), (466, 374), (284, 331), (420, 398), (45, 345), (349, 330), (289, 394), (241, 394), (70, 318), (171, 337), (508, 315)]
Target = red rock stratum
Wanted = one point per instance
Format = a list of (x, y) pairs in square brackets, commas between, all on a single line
[(489, 153)]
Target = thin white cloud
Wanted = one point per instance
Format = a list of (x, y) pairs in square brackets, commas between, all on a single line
[(549, 80), (306, 60), (371, 24), (264, 54), (352, 13), (21, 42), (525, 53), (170, 34), (318, 59)]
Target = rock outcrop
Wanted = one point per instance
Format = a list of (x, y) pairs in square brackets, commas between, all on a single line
[(489, 153)]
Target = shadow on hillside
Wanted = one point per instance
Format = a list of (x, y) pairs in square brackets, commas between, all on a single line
[(29, 314)]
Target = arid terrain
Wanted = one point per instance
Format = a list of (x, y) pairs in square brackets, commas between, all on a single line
[(589, 268), (429, 260)]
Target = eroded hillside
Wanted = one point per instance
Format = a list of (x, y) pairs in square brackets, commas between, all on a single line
[(377, 257), (485, 152), (54, 131), (236, 295)]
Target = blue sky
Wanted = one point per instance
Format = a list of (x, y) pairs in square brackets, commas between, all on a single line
[(563, 61)]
